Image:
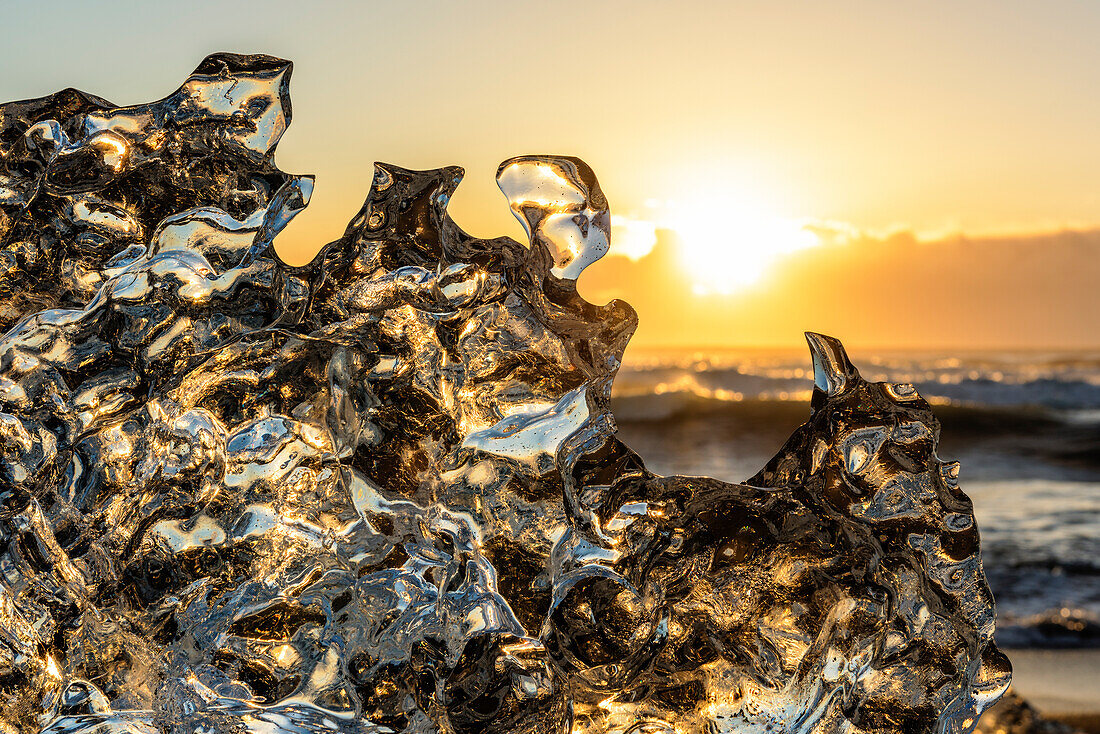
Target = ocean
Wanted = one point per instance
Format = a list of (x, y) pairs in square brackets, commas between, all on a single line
[(1024, 425)]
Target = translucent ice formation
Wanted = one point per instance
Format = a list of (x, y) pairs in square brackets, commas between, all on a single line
[(383, 492)]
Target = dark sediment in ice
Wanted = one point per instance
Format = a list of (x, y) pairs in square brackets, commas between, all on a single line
[(383, 492)]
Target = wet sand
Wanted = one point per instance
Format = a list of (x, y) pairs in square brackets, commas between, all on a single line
[(1061, 684)]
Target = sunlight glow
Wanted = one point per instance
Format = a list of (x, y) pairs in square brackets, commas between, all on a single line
[(632, 238), (727, 246)]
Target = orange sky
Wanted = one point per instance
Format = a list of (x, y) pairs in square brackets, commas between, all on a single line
[(950, 120), (1034, 292)]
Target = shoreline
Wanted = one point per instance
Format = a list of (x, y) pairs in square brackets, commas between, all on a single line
[(1063, 685)]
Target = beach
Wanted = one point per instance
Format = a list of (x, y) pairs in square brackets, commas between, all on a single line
[(1059, 683), (1025, 428)]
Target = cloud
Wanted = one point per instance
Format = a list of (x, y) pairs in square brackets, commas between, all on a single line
[(876, 289), (632, 238)]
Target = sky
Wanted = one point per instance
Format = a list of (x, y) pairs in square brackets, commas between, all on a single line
[(897, 174)]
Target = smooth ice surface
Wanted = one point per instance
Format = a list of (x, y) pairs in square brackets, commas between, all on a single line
[(383, 492)]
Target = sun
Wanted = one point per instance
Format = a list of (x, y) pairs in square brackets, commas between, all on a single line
[(727, 247)]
